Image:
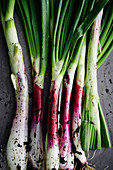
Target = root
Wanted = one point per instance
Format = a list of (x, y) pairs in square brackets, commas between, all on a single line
[(106, 167), (87, 167), (92, 156)]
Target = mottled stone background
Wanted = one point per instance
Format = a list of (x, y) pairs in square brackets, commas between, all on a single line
[(103, 159)]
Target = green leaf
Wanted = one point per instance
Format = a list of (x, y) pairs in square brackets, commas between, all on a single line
[(85, 25), (104, 130), (45, 35)]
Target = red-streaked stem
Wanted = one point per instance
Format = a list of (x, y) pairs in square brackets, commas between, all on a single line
[(66, 155), (36, 154), (76, 123), (77, 106), (52, 155)]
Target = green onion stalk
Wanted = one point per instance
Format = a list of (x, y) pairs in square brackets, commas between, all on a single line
[(35, 19), (17, 155), (93, 123)]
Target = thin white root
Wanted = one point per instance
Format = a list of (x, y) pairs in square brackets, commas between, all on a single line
[(93, 155), (87, 167), (106, 167)]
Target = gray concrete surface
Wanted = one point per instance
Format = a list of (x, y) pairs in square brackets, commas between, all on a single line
[(104, 158)]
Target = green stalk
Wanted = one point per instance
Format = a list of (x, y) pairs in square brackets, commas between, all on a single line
[(35, 26), (9, 9), (108, 34), (82, 29), (109, 41), (67, 21), (35, 58), (45, 35), (20, 13), (76, 20), (24, 13), (66, 27), (25, 7), (90, 116), (45, 42), (63, 13), (104, 130), (72, 67), (107, 26), (106, 54), (38, 50), (76, 35), (107, 15), (78, 15), (54, 35), (52, 16), (87, 7)]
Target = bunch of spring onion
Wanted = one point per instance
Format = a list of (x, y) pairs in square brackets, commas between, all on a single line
[(35, 18), (16, 147), (68, 32), (65, 54)]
